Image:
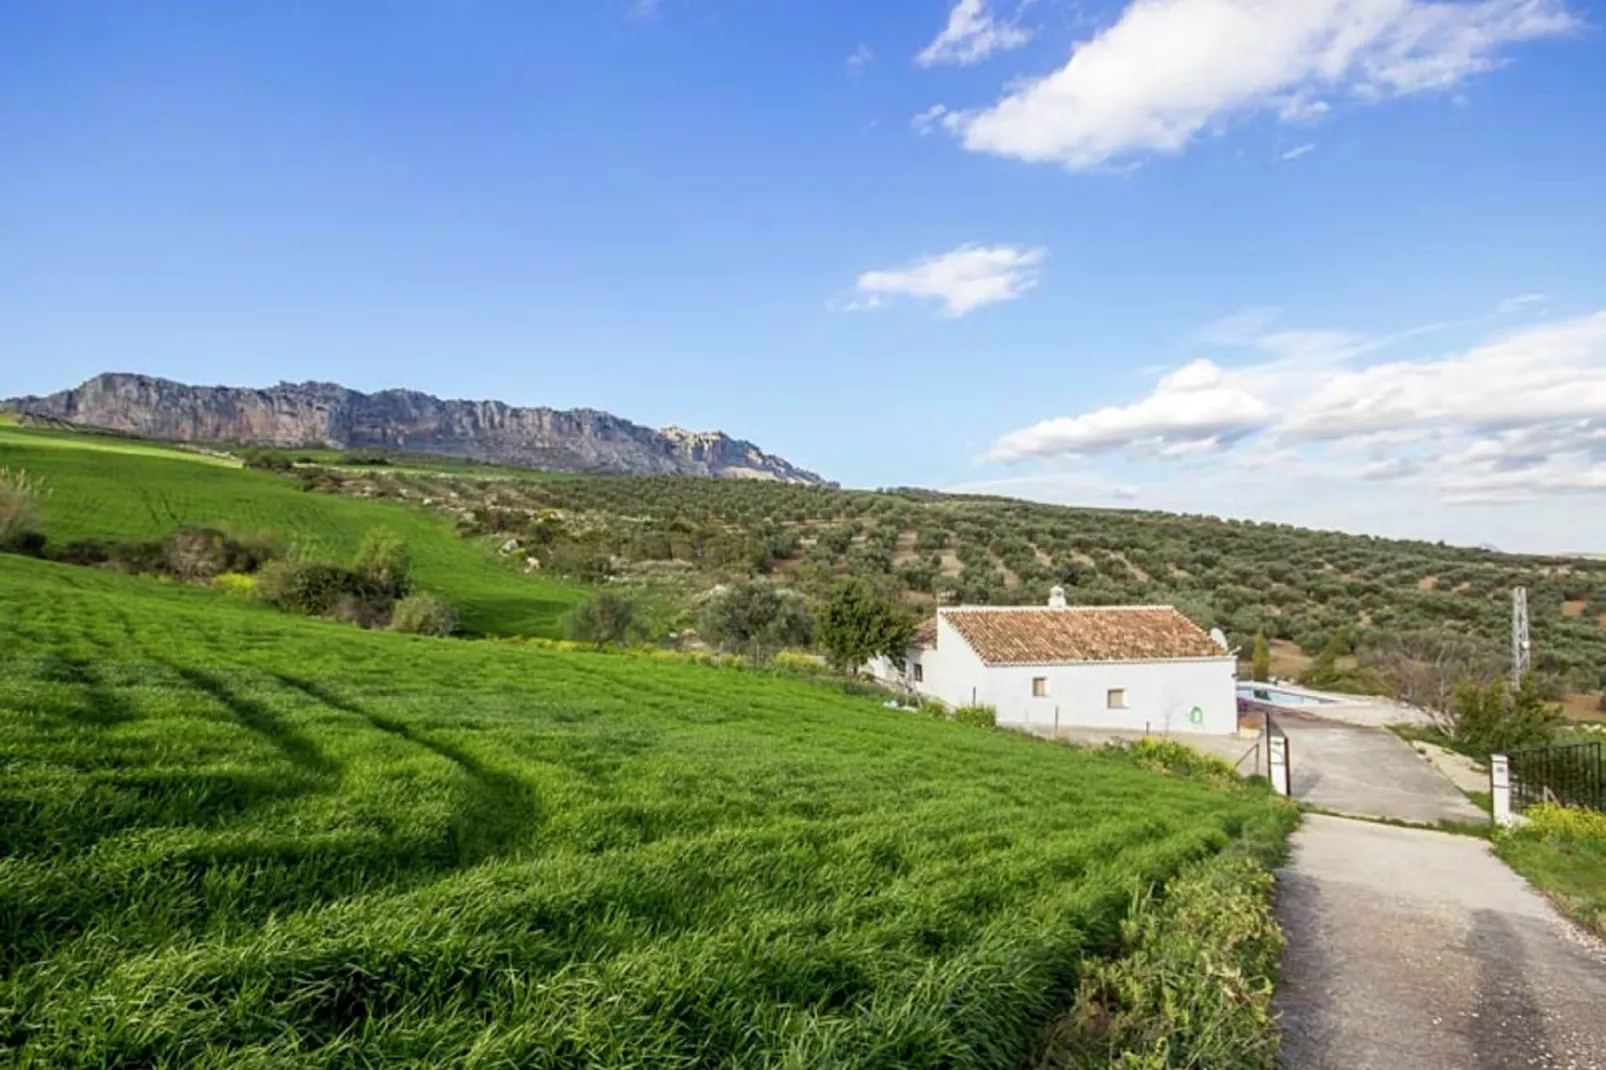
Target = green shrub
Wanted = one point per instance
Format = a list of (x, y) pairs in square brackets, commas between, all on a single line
[(857, 624), (19, 513), (1550, 822), (385, 562), (1491, 718), (609, 619), (1169, 756), (757, 618), (1193, 986), (977, 715), (265, 460), (423, 614), (313, 588), (792, 661)]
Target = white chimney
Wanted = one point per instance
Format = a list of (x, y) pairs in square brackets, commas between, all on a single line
[(1056, 598)]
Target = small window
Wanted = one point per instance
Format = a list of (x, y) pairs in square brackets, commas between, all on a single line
[(1039, 687), (1116, 699), (920, 673)]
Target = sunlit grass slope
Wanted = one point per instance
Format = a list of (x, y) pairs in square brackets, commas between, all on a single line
[(109, 488), (233, 838)]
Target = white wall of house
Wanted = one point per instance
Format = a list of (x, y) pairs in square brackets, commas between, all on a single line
[(1158, 696), (1178, 696)]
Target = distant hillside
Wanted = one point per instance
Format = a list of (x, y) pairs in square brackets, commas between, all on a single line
[(1309, 591), (328, 415)]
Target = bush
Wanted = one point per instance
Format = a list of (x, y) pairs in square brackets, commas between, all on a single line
[(856, 625), (385, 562), (790, 661), (236, 583), (978, 716), (203, 553), (313, 588), (423, 614), (1170, 756), (757, 618), (608, 619), (1490, 718), (1550, 822), (265, 460), (1194, 985), (19, 513)]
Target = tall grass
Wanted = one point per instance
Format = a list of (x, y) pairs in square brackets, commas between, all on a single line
[(233, 838), (108, 488)]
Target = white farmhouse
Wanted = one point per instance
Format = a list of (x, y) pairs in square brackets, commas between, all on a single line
[(1137, 668)]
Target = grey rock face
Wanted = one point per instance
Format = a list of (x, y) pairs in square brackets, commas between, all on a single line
[(324, 414)]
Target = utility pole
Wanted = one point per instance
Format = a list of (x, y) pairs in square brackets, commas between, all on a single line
[(1521, 647)]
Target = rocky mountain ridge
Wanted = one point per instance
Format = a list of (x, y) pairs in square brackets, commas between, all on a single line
[(300, 415)]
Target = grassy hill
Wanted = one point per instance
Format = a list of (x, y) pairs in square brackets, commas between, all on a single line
[(103, 487), (1307, 590), (235, 838)]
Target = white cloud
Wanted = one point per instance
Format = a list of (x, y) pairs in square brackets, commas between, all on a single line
[(964, 280), (1193, 409), (1533, 377), (1520, 302), (928, 120), (972, 34), (1168, 71), (1518, 417), (1301, 150), (860, 59)]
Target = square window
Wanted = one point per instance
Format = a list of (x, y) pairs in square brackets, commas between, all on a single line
[(1116, 699), (1039, 687)]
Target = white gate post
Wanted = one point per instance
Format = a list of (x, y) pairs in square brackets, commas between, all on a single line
[(1277, 763), (1500, 790)]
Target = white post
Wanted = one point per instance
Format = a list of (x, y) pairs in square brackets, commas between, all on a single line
[(1277, 763), (1500, 790)]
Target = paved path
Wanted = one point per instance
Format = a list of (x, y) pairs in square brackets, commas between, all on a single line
[(1417, 950), (1368, 771)]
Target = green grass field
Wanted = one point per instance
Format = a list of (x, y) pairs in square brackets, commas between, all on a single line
[(234, 838), (111, 488)]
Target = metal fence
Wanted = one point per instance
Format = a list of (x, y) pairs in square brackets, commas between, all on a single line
[(1572, 774)]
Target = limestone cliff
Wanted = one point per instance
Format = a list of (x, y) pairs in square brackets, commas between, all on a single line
[(324, 414)]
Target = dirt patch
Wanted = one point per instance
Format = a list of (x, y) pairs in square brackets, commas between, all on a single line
[(1287, 659), (1574, 609), (1427, 583), (1582, 705)]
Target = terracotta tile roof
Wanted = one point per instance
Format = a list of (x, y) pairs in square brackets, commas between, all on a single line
[(925, 633), (1039, 636)]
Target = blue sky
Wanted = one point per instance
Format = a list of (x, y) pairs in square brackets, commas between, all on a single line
[(1336, 263)]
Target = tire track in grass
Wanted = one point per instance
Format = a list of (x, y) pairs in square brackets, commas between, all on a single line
[(502, 811)]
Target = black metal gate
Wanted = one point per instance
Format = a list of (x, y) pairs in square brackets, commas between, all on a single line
[(1571, 774)]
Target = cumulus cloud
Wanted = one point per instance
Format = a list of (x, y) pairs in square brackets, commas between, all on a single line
[(1193, 409), (1519, 416), (1534, 377), (972, 34), (962, 281), (1168, 71)]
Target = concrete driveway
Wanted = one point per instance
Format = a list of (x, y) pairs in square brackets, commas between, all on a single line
[(1409, 948), (1368, 771)]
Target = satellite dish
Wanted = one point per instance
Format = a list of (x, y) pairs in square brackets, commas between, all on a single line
[(1220, 637)]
